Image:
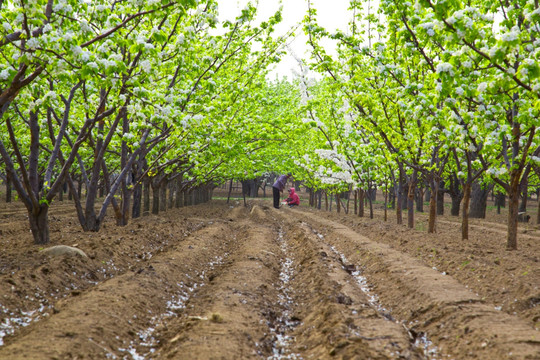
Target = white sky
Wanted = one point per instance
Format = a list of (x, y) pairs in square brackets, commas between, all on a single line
[(331, 14)]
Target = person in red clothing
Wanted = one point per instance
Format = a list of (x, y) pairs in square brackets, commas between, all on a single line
[(278, 187), (293, 199)]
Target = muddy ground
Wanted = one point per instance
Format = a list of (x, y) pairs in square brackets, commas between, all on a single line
[(225, 281)]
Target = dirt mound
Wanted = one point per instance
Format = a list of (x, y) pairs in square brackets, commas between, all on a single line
[(226, 281)]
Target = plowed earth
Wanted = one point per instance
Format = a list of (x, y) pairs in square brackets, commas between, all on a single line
[(224, 281)]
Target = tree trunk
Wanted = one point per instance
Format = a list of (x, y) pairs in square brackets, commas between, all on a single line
[(440, 202), (478, 201), (524, 195), (137, 199), (330, 202), (125, 205), (386, 205), (410, 200), (146, 196), (102, 189), (371, 206), (348, 199), (326, 200), (500, 201), (361, 195), (399, 202), (178, 200), (172, 190), (433, 202), (8, 189), (39, 224), (420, 200), (155, 198), (456, 194), (465, 212), (163, 195), (513, 209), (456, 202), (79, 188), (538, 209), (61, 193), (230, 190), (405, 198), (338, 203), (356, 202)]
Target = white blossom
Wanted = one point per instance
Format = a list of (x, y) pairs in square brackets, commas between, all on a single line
[(4, 74), (33, 43), (511, 36), (146, 66), (444, 67), (482, 87)]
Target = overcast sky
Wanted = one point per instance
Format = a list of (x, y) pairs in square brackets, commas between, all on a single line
[(331, 14)]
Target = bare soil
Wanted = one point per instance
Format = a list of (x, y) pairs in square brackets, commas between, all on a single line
[(228, 281)]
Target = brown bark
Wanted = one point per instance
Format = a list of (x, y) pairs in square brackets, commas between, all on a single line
[(155, 198), (179, 200), (410, 202), (163, 196), (361, 196), (39, 224), (355, 202), (8, 189), (433, 201), (513, 209), (465, 212), (146, 197)]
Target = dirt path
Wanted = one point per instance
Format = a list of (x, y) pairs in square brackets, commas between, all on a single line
[(228, 282)]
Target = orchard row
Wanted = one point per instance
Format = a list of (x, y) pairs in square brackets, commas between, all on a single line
[(116, 95)]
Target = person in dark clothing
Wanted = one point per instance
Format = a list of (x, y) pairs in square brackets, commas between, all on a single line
[(293, 199), (278, 187)]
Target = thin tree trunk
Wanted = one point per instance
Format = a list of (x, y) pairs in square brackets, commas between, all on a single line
[(434, 200), (355, 202), (146, 196), (513, 209), (155, 198), (538, 208), (440, 202), (61, 193), (386, 205), (465, 211), (420, 200), (163, 195), (8, 189), (326, 200), (137, 199), (399, 200), (524, 195), (178, 200), (410, 201), (230, 190), (361, 195), (370, 198)]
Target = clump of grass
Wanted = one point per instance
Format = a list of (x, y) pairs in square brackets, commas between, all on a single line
[(216, 318)]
